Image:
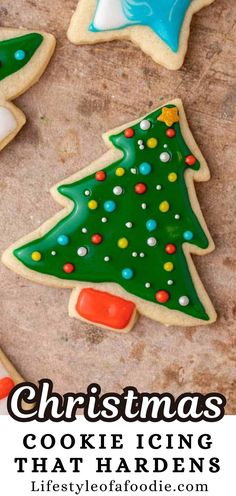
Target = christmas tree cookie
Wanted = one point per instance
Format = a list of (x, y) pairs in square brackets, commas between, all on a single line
[(9, 377), (160, 27), (131, 222), (23, 59)]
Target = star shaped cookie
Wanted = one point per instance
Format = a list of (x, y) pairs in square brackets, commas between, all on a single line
[(161, 28)]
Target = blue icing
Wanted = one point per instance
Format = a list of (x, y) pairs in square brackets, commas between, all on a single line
[(165, 17)]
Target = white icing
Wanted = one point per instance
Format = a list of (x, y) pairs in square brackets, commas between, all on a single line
[(3, 402), (109, 15), (7, 123)]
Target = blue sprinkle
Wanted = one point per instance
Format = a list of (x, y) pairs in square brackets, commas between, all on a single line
[(19, 55), (151, 225), (188, 235), (63, 240), (127, 273), (110, 206), (145, 168)]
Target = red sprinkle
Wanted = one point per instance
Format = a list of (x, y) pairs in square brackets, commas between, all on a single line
[(140, 188), (68, 268), (170, 249), (162, 296), (190, 160), (101, 176), (170, 133), (129, 133), (96, 239), (6, 385)]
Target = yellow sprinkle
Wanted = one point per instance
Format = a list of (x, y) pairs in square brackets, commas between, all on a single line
[(168, 266), (92, 204), (164, 207), (172, 177), (36, 256), (123, 243), (120, 171), (152, 142)]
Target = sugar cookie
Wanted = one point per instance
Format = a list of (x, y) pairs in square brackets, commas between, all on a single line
[(130, 224), (24, 57), (9, 377), (161, 28)]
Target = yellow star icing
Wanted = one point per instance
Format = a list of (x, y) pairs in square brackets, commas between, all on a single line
[(169, 116)]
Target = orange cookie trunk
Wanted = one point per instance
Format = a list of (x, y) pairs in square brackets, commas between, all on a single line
[(105, 309), (6, 385)]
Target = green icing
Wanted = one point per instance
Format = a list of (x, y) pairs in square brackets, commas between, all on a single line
[(149, 268), (29, 43)]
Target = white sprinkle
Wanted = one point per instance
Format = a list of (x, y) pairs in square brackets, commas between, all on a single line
[(87, 192), (142, 254), (84, 230), (141, 147), (165, 157), (158, 187), (129, 225), (145, 125), (170, 282), (140, 142), (106, 259), (82, 251), (183, 301), (147, 285), (104, 219), (117, 190), (165, 146), (177, 216), (144, 206), (134, 254), (53, 253), (152, 241), (133, 170)]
